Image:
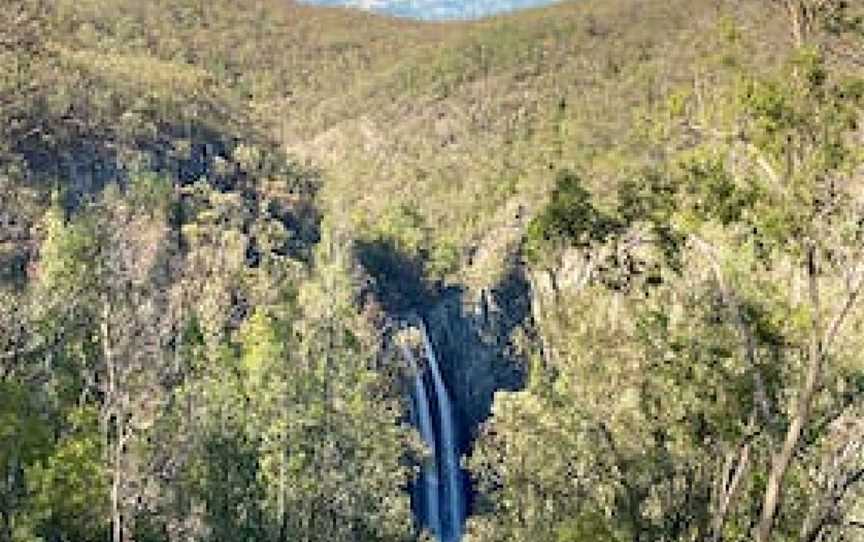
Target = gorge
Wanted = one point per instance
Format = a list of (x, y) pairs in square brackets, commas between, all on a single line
[(284, 271)]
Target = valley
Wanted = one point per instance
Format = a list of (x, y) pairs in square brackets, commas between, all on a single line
[(585, 271)]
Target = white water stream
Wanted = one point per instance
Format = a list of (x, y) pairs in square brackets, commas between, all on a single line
[(427, 433), (451, 530), (443, 505)]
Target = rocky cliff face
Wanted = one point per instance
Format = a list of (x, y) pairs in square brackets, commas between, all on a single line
[(472, 331), (476, 331), (473, 328)]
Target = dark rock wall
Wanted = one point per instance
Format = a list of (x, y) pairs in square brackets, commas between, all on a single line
[(472, 337)]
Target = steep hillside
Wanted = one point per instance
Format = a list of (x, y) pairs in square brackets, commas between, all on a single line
[(451, 146), (442, 136)]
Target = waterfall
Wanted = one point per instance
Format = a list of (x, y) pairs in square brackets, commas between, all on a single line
[(443, 506), (430, 469), (451, 529)]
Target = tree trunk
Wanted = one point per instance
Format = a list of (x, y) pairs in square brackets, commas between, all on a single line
[(110, 410), (6, 519), (283, 516), (781, 462), (731, 480), (116, 524)]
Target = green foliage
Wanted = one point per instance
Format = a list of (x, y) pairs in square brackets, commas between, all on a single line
[(151, 193), (570, 218), (261, 348), (713, 194), (586, 527), (66, 255), (69, 489), (406, 227), (25, 435), (644, 213)]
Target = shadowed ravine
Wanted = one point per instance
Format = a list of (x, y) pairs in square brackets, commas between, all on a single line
[(459, 341)]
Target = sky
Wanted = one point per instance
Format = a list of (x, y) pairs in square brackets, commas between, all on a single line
[(436, 9)]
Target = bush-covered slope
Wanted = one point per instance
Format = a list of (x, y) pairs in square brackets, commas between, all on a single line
[(468, 126), (164, 335), (193, 196)]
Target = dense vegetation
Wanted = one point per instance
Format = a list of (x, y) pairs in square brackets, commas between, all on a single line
[(172, 366), (207, 212)]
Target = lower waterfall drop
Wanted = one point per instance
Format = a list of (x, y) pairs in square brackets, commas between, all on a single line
[(427, 433), (452, 498), (443, 506)]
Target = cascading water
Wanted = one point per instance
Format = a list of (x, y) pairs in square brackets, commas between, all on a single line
[(451, 530), (427, 433), (443, 506)]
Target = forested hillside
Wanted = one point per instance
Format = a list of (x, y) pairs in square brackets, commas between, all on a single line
[(271, 271), (173, 366)]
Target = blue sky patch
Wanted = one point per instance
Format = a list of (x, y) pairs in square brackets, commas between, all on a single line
[(436, 9)]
